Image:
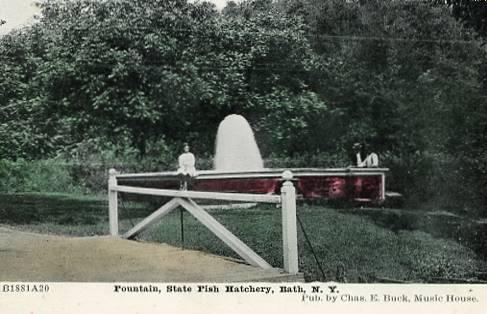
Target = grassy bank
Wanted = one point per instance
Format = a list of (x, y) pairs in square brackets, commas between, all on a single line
[(363, 249)]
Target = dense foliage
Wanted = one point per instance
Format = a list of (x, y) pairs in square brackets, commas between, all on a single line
[(311, 76), (472, 12)]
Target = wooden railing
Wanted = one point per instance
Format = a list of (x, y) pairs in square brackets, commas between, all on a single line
[(185, 199)]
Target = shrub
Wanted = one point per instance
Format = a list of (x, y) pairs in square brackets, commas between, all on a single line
[(36, 176), (435, 181)]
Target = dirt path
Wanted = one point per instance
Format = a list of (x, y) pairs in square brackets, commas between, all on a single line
[(35, 257)]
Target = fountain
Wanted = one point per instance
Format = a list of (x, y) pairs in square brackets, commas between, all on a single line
[(238, 167), (236, 149)]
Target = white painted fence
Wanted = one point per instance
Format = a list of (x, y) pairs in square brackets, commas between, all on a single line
[(287, 199)]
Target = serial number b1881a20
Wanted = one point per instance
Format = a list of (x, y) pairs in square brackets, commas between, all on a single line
[(23, 287)]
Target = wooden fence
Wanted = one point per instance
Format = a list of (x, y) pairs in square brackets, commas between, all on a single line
[(185, 199)]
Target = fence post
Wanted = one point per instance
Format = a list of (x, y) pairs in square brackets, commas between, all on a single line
[(112, 202), (383, 187), (289, 232)]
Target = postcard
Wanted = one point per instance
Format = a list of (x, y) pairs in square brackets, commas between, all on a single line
[(233, 156)]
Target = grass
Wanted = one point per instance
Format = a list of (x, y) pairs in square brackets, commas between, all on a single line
[(365, 249)]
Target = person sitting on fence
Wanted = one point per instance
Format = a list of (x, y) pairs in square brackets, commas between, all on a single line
[(371, 160), (186, 170)]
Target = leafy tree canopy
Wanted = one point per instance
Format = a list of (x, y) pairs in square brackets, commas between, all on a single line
[(409, 78)]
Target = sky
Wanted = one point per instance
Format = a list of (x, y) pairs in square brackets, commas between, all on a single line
[(21, 12), (16, 13)]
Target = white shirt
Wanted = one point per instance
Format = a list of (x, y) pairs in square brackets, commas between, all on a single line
[(372, 160), (187, 164)]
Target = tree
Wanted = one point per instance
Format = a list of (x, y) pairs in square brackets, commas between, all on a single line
[(114, 68), (143, 70), (406, 78)]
